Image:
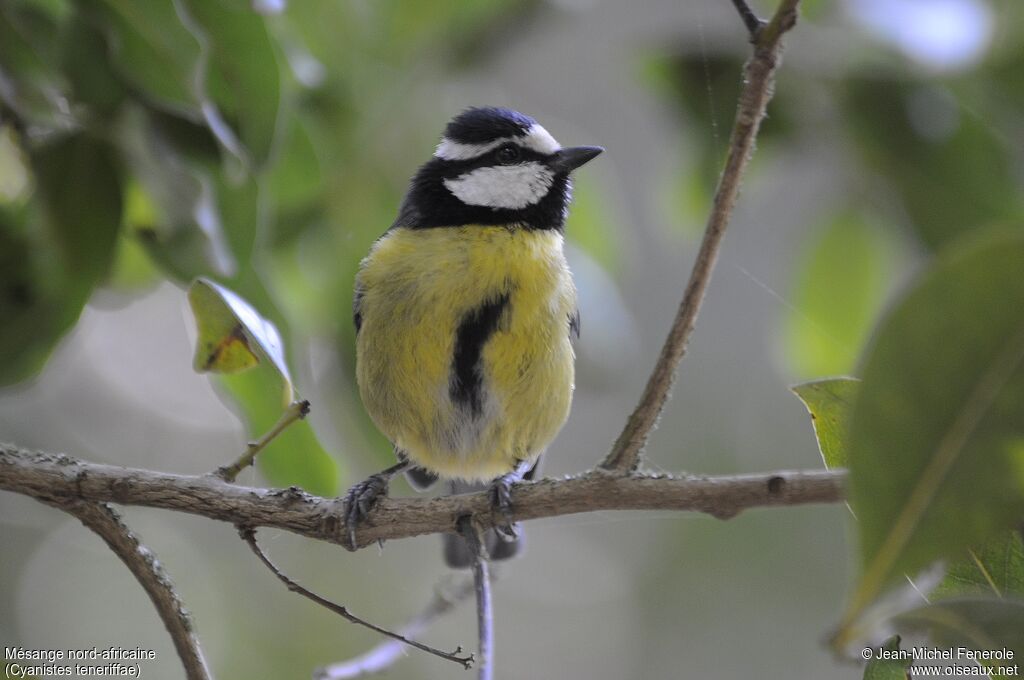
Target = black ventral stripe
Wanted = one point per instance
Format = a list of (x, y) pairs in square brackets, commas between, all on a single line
[(475, 329)]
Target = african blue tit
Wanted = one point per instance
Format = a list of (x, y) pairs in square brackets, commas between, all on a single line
[(465, 312)]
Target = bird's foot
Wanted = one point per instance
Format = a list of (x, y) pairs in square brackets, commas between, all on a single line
[(361, 498), (501, 505)]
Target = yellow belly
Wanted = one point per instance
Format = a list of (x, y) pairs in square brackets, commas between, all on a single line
[(417, 287)]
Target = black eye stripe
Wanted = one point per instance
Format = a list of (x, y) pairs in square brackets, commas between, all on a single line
[(508, 153), (454, 168)]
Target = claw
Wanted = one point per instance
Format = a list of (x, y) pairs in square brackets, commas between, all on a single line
[(501, 503), (359, 501)]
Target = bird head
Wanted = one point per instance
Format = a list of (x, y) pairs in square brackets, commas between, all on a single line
[(494, 166)]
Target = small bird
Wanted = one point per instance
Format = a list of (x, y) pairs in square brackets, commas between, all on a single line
[(465, 313)]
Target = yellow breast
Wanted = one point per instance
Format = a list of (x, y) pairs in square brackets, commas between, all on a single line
[(463, 357)]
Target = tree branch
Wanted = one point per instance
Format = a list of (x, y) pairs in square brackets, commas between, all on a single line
[(58, 477), (387, 652), (750, 19), (484, 604), (249, 536), (758, 80), (103, 520)]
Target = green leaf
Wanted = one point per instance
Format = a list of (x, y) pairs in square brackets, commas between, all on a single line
[(33, 312), (980, 624), (175, 200), (841, 279), (233, 336), (80, 187), (85, 61), (152, 50), (294, 457), (243, 75), (830, 403), (33, 85), (995, 568), (887, 664), (56, 249), (295, 179), (936, 452), (951, 167)]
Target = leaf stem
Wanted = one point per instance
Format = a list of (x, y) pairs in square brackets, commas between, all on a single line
[(297, 410)]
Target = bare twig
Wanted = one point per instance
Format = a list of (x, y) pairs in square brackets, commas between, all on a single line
[(248, 534), (759, 76), (388, 652), (143, 564), (750, 19), (482, 586), (59, 476), (297, 410)]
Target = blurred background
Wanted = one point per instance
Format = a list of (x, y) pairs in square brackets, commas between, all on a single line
[(266, 145)]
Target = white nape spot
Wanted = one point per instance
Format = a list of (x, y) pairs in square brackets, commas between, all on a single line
[(540, 140), (536, 138), (502, 186)]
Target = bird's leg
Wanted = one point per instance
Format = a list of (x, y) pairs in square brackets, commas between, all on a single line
[(501, 499), (360, 498)]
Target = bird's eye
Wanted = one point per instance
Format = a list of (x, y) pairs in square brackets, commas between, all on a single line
[(509, 153)]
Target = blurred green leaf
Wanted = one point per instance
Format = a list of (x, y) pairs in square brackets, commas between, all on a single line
[(14, 171), (994, 568), (33, 313), (233, 336), (951, 167), (886, 666), (243, 74), (841, 279), (830, 403), (937, 435), (589, 226), (34, 87), (80, 186), (132, 268), (152, 50), (294, 457), (980, 624), (174, 164), (84, 60), (295, 179), (54, 251)]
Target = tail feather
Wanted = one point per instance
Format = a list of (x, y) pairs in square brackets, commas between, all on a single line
[(457, 554)]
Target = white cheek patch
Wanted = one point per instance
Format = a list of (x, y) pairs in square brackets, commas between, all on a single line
[(502, 186), (536, 138)]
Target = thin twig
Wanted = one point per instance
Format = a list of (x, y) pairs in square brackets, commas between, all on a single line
[(50, 475), (750, 19), (105, 522), (482, 585), (385, 654), (248, 534), (297, 410), (759, 75)]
